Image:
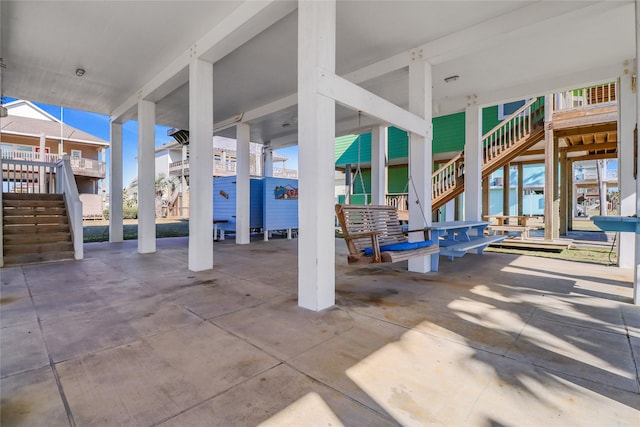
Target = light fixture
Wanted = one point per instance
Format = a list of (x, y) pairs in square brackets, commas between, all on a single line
[(80, 72), (451, 78)]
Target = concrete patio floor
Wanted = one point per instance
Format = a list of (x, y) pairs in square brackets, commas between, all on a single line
[(121, 338)]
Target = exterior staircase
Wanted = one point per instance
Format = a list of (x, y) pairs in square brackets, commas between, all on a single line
[(501, 145), (35, 228)]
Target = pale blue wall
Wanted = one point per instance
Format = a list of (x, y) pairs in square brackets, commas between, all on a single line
[(279, 214), (225, 208)]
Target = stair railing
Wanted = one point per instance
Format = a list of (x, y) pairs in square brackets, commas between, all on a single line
[(497, 141), (66, 184), (508, 132)]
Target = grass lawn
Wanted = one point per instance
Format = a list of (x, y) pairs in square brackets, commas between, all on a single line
[(98, 231)]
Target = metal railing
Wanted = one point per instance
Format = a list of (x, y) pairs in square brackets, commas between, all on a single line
[(585, 97)]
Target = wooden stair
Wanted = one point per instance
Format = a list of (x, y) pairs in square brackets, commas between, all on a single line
[(35, 228), (510, 139)]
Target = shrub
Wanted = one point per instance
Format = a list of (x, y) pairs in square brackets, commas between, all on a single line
[(127, 213)]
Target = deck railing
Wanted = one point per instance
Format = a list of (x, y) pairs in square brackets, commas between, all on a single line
[(79, 165), (227, 168), (27, 176), (585, 97)]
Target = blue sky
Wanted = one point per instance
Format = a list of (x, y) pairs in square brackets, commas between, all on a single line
[(98, 125)]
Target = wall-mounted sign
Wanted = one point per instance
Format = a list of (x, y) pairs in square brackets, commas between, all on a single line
[(286, 192)]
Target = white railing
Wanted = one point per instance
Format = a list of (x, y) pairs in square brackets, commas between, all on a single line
[(66, 184), (585, 97), (227, 168), (508, 133), (285, 173), (79, 165), (87, 167), (447, 177), (29, 156), (26, 176), (400, 201)]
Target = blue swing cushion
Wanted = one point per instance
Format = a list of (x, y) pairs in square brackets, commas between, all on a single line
[(404, 246)]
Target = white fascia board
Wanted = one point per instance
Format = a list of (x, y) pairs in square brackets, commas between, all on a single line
[(532, 88), (249, 19), (353, 96), (55, 137)]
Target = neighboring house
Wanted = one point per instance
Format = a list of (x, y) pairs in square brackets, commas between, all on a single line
[(172, 160), (31, 134)]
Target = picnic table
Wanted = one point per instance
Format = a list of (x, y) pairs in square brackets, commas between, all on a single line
[(456, 238)]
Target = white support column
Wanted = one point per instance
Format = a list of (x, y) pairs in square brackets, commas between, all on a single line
[(473, 164), (636, 285), (420, 158), (450, 210), (146, 177), (41, 157), (378, 165), (626, 124), (115, 184), (200, 165), (243, 183), (183, 183), (316, 124), (268, 161), (549, 170)]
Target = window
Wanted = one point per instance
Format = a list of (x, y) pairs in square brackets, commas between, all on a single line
[(505, 110), (76, 154)]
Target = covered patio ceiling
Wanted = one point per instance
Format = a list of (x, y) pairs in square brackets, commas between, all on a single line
[(499, 50)]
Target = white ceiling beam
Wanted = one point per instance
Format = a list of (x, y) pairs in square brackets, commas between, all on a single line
[(272, 107), (380, 68), (248, 20), (353, 96)]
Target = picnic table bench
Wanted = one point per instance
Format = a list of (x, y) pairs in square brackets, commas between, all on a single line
[(513, 223)]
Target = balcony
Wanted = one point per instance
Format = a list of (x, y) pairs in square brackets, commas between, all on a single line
[(79, 165), (228, 168)]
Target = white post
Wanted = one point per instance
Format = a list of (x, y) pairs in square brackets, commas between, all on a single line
[(115, 184), (473, 164), (379, 165), (183, 183), (450, 210), (41, 158), (636, 292), (420, 158), (200, 165), (316, 131), (549, 170), (243, 184), (146, 177), (626, 181), (268, 161)]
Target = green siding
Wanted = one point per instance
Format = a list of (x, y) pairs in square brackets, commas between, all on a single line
[(398, 143), (357, 182), (489, 118), (398, 178), (448, 133)]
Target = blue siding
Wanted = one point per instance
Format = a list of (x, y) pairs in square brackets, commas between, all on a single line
[(225, 207), (279, 214)]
